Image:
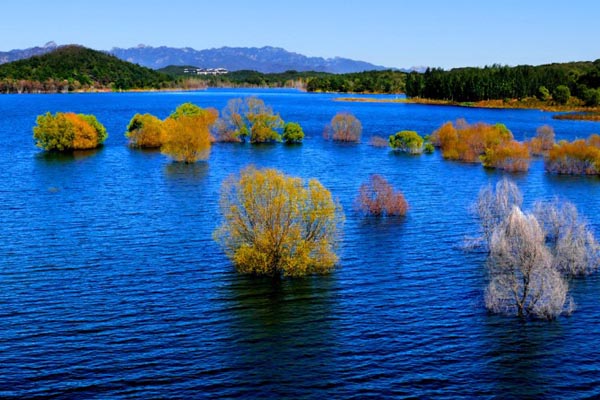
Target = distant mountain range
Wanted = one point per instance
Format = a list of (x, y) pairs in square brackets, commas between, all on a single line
[(264, 59), (15, 55)]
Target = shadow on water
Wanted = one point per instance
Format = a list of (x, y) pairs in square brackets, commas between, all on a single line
[(58, 158), (283, 332), (521, 355), (186, 172), (144, 150)]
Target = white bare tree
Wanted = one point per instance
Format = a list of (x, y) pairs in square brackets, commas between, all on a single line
[(523, 281), (494, 205), (570, 239)]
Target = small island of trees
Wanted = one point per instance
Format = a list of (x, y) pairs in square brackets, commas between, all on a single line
[(492, 145), (64, 132)]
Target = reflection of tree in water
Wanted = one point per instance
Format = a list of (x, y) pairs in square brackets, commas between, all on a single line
[(282, 334), (52, 157), (524, 357), (177, 171)]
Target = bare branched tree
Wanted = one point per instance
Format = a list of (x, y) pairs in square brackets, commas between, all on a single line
[(493, 206), (523, 281), (569, 237)]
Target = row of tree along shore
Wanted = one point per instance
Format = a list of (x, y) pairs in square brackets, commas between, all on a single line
[(564, 86)]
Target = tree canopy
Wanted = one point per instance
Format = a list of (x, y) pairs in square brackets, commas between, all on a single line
[(278, 225), (501, 82), (292, 132), (344, 127), (145, 131), (407, 141), (248, 119), (68, 131), (186, 133)]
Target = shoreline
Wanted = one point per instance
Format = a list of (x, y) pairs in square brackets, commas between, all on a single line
[(488, 104)]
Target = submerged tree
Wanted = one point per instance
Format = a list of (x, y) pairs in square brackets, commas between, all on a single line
[(145, 131), (377, 197), (407, 141), (249, 118), (494, 205), (187, 135), (292, 133), (231, 127), (264, 124), (344, 127), (543, 141), (278, 225), (468, 142), (522, 278), (579, 157), (570, 240), (531, 255), (68, 131), (511, 156)]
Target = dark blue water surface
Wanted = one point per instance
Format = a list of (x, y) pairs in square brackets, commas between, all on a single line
[(111, 285)]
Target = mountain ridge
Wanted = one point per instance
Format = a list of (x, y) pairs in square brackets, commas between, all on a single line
[(266, 59)]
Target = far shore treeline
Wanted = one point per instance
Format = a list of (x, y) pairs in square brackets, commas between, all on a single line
[(75, 68)]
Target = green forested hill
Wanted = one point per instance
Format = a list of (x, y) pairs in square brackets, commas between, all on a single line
[(77, 67)]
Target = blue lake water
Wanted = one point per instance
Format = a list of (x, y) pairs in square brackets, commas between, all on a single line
[(112, 287)]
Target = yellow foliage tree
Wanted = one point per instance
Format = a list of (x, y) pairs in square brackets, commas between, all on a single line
[(187, 138), (276, 225), (145, 131), (68, 131), (510, 156)]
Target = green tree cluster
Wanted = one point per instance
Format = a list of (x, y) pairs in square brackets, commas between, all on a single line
[(292, 133), (63, 132), (248, 119), (407, 141), (360, 82), (501, 82), (184, 136)]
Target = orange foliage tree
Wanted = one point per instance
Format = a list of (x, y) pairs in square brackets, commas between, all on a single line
[(145, 131), (344, 127), (493, 145), (187, 136), (68, 131), (510, 156), (594, 140), (85, 136), (579, 157), (377, 197), (465, 142)]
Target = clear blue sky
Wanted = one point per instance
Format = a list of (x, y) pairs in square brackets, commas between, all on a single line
[(393, 33)]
